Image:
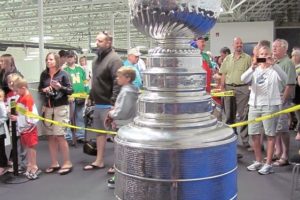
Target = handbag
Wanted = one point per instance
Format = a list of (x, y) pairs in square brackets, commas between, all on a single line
[(90, 147)]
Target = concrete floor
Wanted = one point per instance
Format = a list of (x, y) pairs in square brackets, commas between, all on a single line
[(91, 185)]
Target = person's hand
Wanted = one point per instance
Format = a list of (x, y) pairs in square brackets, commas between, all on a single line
[(47, 89), (55, 84), (71, 99), (13, 118), (270, 61), (254, 66)]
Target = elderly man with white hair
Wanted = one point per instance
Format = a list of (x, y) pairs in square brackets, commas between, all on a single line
[(296, 61), (280, 48)]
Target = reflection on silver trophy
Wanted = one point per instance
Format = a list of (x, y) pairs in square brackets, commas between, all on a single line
[(175, 149)]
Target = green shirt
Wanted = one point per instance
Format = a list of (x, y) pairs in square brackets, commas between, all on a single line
[(234, 68), (78, 78), (287, 66), (206, 57)]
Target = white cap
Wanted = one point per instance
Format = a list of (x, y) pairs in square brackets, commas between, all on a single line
[(134, 51)]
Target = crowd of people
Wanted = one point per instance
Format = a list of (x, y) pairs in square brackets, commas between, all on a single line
[(263, 83)]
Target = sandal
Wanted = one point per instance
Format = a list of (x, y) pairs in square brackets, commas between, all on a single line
[(281, 162), (65, 170), (50, 170), (111, 170), (274, 157), (92, 167), (33, 175)]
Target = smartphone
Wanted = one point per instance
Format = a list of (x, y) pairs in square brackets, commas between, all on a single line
[(261, 60)]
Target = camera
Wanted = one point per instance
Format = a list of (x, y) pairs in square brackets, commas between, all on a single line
[(261, 60), (51, 94)]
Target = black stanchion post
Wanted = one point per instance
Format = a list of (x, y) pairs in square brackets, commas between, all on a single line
[(15, 178), (14, 139)]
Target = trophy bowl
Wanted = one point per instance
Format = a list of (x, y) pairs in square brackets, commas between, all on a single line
[(162, 19)]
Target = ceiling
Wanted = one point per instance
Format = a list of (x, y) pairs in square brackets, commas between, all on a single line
[(76, 22)]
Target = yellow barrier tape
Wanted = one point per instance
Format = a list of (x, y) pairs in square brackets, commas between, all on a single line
[(79, 95), (31, 115), (228, 93), (265, 117)]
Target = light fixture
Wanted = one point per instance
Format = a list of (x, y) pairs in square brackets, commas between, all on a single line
[(36, 38), (28, 59), (32, 56)]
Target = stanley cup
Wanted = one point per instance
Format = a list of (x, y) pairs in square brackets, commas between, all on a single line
[(175, 149)]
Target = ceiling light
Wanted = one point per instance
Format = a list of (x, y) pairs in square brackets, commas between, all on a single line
[(37, 39)]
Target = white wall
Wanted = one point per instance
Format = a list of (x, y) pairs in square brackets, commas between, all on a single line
[(30, 68), (223, 33)]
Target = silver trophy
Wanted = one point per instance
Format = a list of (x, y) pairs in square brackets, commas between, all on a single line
[(175, 149)]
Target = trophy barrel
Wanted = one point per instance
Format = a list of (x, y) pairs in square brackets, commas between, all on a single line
[(175, 149)]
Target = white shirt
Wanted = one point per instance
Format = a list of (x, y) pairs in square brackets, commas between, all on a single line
[(265, 85)]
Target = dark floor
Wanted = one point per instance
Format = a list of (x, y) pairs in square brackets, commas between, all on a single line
[(91, 185)]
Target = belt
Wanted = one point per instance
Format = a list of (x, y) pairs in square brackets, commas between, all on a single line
[(236, 85)]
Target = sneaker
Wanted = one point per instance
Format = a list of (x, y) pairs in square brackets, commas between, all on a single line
[(255, 166), (266, 169), (34, 175), (111, 182)]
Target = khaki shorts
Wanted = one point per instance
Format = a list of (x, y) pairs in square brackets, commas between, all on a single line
[(268, 125), (60, 114)]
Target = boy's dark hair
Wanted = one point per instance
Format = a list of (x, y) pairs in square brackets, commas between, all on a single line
[(62, 53), (127, 72)]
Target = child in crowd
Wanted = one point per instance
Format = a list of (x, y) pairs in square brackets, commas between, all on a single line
[(27, 127), (125, 107), (3, 130), (13, 96), (266, 80)]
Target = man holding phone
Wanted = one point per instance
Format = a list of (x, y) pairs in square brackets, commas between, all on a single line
[(233, 66)]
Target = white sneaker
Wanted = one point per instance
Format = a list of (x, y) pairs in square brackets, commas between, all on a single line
[(255, 166), (266, 169)]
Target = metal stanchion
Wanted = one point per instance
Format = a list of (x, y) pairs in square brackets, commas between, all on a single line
[(15, 178)]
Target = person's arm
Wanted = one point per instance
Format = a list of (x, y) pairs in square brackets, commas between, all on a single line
[(3, 113), (290, 85), (42, 88), (222, 72), (66, 86), (116, 88), (282, 75), (247, 75), (123, 108)]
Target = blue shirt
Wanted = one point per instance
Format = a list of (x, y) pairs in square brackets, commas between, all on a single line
[(138, 79)]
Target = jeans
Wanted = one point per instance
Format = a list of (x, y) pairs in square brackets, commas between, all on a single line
[(76, 115)]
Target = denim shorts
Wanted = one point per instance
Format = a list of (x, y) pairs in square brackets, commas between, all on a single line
[(268, 125)]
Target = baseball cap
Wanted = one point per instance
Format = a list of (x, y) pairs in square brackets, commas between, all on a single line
[(134, 51), (205, 38)]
